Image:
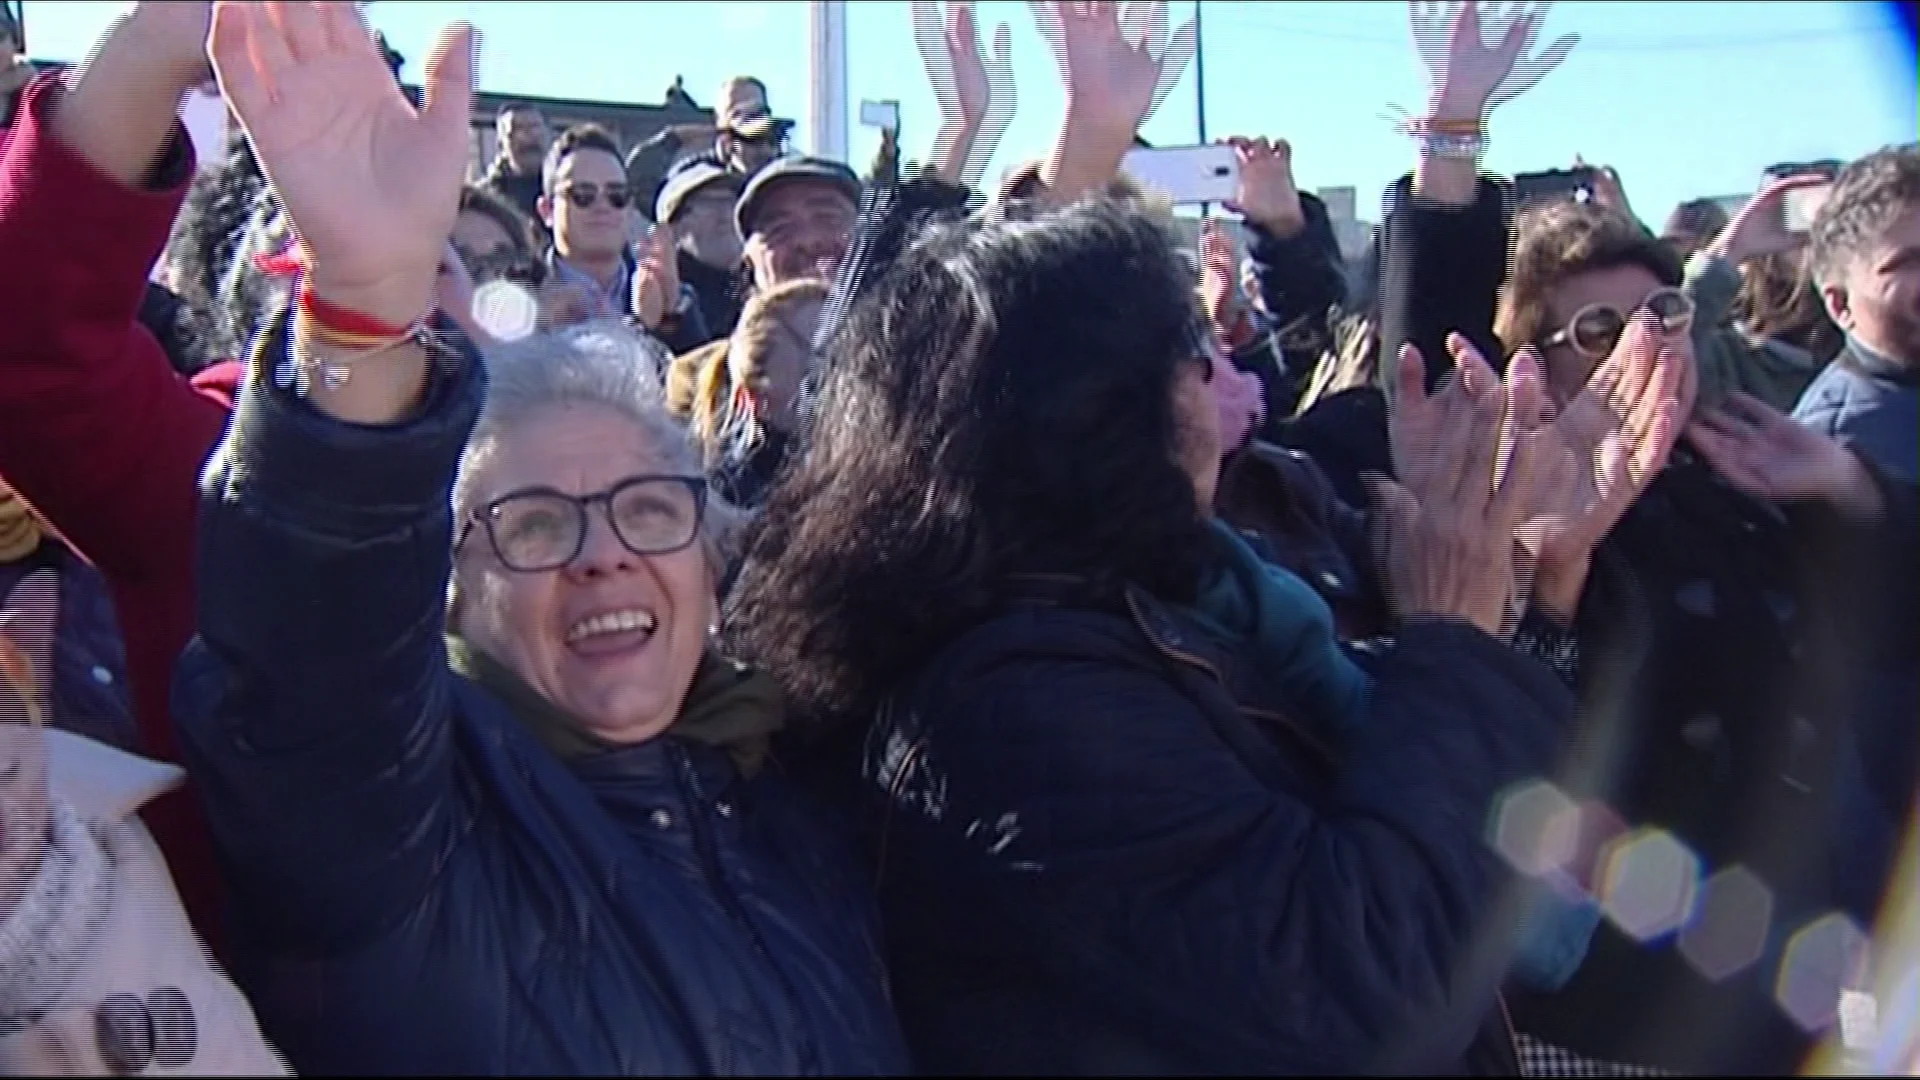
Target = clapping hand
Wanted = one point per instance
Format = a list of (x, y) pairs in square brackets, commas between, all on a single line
[(1610, 441), (1469, 77), (1768, 456), (1465, 454), (1602, 451), (974, 87), (656, 278), (371, 184)]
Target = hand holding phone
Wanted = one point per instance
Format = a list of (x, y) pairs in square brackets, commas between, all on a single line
[(1538, 187), (1765, 225), (1187, 174)]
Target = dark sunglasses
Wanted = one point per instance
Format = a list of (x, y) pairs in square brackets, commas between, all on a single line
[(584, 195), (506, 264), (1595, 329)]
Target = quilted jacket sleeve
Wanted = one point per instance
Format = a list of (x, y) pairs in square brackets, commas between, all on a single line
[(1267, 926), (315, 705)]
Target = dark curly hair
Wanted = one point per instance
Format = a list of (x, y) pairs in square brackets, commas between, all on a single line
[(228, 216), (1000, 403)]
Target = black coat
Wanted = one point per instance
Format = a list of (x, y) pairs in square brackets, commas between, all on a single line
[(1105, 849), (1720, 640)]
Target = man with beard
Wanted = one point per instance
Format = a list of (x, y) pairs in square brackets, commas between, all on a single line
[(1866, 261)]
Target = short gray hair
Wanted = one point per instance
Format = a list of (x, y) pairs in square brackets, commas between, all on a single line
[(1868, 196), (600, 363)]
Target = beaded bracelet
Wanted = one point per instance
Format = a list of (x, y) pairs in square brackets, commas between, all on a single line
[(1456, 140)]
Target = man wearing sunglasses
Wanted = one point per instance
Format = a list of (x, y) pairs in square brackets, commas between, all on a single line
[(584, 204)]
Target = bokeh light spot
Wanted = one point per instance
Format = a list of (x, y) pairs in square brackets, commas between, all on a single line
[(505, 310), (1728, 931), (1536, 828), (1647, 883), (1820, 961)]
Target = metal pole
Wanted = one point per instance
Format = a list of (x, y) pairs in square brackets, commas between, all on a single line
[(1200, 85), (1199, 72), (827, 86)]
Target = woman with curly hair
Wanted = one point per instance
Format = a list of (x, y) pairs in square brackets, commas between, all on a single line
[(1136, 808)]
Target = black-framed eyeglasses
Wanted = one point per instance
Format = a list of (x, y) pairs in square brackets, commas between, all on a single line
[(1595, 329), (584, 195), (538, 529)]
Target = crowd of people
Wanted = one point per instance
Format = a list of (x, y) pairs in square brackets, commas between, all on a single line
[(700, 609)]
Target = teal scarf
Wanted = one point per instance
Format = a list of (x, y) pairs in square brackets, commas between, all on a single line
[(1247, 602)]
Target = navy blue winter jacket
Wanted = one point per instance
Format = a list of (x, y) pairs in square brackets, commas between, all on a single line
[(1870, 403), (421, 886), (1106, 849)]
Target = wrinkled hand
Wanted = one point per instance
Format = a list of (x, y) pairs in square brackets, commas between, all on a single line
[(656, 279), (1268, 195), (1608, 444), (1116, 74), (1219, 287), (1762, 452), (371, 185), (1444, 534), (1469, 78), (1760, 228), (27, 620)]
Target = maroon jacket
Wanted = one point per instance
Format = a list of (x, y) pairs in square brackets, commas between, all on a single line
[(98, 432)]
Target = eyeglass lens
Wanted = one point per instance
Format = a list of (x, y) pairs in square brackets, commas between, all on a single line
[(542, 530)]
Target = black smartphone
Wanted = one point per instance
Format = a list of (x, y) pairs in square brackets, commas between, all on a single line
[(1537, 187)]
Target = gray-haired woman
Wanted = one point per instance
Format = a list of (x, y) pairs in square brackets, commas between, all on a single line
[(550, 843)]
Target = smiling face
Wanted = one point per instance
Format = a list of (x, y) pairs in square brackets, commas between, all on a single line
[(613, 638), (597, 230), (802, 230)]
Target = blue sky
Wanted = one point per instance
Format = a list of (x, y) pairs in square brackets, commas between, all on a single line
[(1684, 99)]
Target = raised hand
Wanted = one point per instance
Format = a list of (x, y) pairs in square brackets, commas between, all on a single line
[(370, 184), (1610, 442), (1219, 288), (1469, 78), (1760, 228), (1444, 534), (1765, 454), (974, 87), (1116, 76), (1268, 196), (656, 278)]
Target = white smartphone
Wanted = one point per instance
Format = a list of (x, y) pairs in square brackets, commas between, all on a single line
[(1186, 174), (1801, 204)]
